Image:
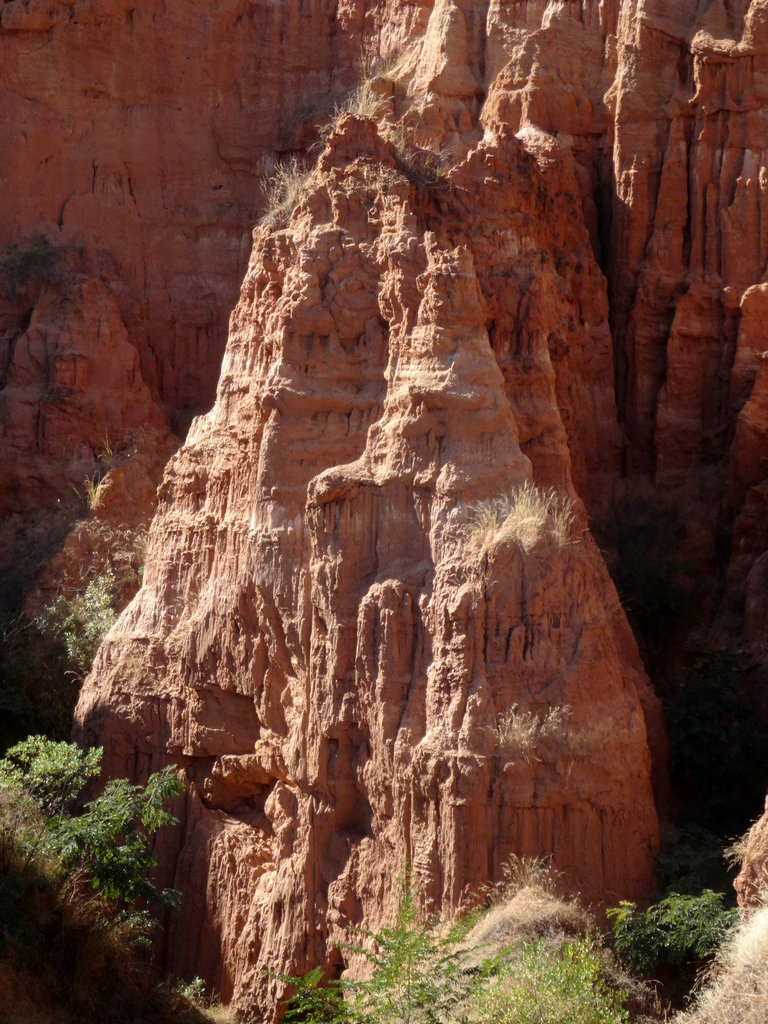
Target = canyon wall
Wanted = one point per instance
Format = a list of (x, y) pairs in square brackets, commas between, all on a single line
[(532, 252)]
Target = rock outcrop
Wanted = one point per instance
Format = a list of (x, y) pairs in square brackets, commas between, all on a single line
[(336, 613)]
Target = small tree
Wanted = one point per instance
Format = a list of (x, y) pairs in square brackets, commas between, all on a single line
[(419, 976), (111, 839)]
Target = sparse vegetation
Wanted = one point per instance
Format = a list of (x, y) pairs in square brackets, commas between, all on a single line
[(22, 264), (81, 620), (93, 489), (523, 733), (362, 101), (420, 974), (282, 192), (735, 990), (73, 943), (426, 972), (528, 517), (543, 984)]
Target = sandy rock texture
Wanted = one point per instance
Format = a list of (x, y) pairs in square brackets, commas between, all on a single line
[(335, 611)]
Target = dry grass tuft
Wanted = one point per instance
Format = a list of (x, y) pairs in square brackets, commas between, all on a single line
[(736, 990), (528, 517), (282, 192), (531, 914), (522, 733), (518, 873)]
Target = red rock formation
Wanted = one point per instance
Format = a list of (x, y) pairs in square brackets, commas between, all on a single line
[(135, 141), (322, 640)]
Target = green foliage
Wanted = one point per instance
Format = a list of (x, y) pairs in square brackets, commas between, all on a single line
[(23, 264), (112, 837), (54, 774), (425, 974), (674, 932), (36, 693), (545, 985), (82, 620), (418, 975), (314, 1002)]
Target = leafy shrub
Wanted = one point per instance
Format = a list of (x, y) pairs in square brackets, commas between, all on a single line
[(69, 955), (54, 774), (418, 975), (677, 930), (82, 620), (423, 972), (35, 693), (111, 839), (544, 985)]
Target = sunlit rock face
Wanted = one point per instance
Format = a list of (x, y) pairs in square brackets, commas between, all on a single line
[(533, 256)]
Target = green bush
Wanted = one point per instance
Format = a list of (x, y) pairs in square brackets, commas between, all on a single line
[(54, 774), (82, 620), (677, 931), (37, 693), (111, 838), (425, 973), (545, 985)]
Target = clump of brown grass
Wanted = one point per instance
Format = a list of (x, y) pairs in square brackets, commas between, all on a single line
[(528, 517), (282, 192), (529, 903), (736, 988), (523, 733), (519, 873)]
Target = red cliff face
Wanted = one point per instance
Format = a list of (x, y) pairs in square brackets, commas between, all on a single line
[(134, 140), (534, 252), (325, 638)]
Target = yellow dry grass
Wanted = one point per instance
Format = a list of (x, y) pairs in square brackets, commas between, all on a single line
[(527, 517)]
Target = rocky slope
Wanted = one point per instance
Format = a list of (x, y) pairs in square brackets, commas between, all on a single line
[(534, 251)]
